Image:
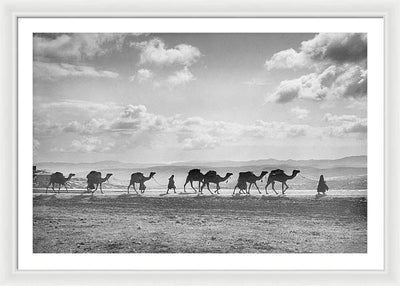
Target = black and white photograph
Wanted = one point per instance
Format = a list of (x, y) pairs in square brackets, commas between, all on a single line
[(200, 143)]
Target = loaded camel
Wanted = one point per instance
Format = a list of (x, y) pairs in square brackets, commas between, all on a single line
[(194, 175), (94, 178), (58, 178), (139, 178), (251, 178), (213, 177), (279, 175)]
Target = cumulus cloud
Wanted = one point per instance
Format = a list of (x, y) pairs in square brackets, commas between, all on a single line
[(300, 113), (324, 48), (55, 71), (340, 64), (156, 52), (142, 75), (336, 47), (352, 83), (286, 59), (75, 47), (180, 77), (312, 86), (334, 82)]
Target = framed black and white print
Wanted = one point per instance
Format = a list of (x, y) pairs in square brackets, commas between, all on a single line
[(200, 136), (193, 143)]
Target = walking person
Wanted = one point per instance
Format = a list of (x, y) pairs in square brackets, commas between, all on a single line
[(171, 184), (322, 186)]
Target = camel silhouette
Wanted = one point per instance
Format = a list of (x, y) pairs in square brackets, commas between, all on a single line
[(213, 177), (58, 178), (251, 178), (194, 175), (94, 178), (279, 175), (139, 178)]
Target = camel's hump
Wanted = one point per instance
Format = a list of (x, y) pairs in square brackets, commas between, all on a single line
[(194, 171), (58, 173), (137, 174), (93, 173), (277, 171), (211, 173), (245, 173)]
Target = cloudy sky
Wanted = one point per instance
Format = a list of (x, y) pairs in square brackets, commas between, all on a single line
[(183, 97)]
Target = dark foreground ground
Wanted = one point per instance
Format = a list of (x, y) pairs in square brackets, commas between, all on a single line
[(72, 223)]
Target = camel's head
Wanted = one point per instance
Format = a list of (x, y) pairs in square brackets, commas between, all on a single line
[(295, 172), (108, 176), (229, 174), (71, 175), (152, 174)]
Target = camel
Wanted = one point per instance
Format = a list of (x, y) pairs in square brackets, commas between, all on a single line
[(213, 177), (279, 175), (139, 178), (94, 178), (242, 185), (58, 178), (250, 178), (194, 175)]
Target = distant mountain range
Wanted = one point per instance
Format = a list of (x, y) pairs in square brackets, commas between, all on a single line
[(352, 161)]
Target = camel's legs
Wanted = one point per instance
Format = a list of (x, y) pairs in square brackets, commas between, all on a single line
[(199, 187), (248, 190), (287, 187), (184, 186), (202, 186), (191, 184), (273, 187), (234, 191), (208, 187), (66, 188), (217, 190), (134, 188), (255, 184), (266, 187), (59, 187), (101, 189)]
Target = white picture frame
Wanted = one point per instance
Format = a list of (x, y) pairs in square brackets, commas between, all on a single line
[(11, 275)]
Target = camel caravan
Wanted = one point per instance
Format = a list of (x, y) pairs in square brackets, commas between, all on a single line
[(244, 183)]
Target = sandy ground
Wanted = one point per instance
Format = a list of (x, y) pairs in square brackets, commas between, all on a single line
[(75, 223)]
